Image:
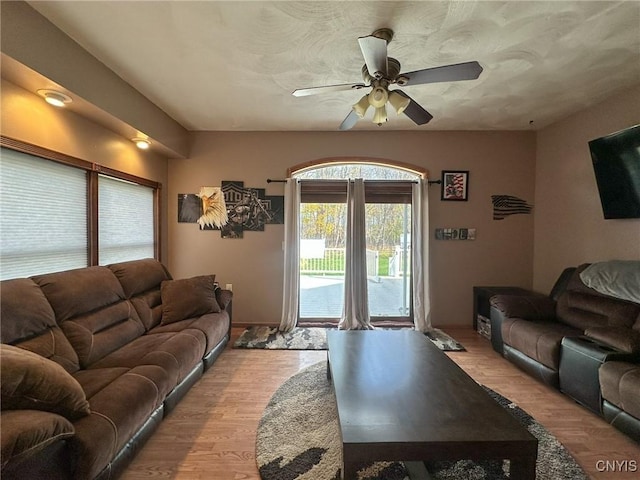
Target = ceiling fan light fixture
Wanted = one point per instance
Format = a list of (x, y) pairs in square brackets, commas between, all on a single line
[(380, 72), (398, 102), (380, 116), (361, 107), (378, 97)]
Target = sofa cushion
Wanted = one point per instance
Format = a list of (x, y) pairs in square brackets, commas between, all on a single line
[(28, 320), (621, 338), (215, 327), (537, 340), (532, 307), (173, 354), (187, 298), (32, 382), (585, 311), (92, 311), (620, 385), (139, 276), (148, 305), (94, 380), (26, 432), (97, 334), (76, 292), (118, 411), (53, 345), (583, 308)]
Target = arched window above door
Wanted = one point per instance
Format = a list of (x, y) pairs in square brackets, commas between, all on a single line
[(367, 168)]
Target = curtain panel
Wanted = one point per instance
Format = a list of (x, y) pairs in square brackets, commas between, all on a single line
[(291, 283), (421, 291), (355, 314)]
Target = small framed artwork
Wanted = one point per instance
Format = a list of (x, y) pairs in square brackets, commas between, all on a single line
[(455, 185)]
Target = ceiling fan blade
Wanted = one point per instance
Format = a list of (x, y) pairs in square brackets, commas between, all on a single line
[(374, 51), (303, 92), (447, 73), (350, 121), (414, 111)]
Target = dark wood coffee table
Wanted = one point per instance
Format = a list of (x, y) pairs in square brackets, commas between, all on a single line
[(400, 398)]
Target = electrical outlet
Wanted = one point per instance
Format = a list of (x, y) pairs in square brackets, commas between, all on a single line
[(229, 286)]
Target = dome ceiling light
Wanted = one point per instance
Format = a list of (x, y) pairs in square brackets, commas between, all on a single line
[(55, 98), (141, 143)]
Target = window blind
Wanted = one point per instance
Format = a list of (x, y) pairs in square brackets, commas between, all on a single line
[(376, 191), (43, 216), (125, 221)]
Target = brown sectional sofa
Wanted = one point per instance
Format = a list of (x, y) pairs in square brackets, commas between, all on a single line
[(579, 340), (94, 358), (620, 386)]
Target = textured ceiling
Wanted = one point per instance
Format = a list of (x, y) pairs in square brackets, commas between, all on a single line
[(232, 65)]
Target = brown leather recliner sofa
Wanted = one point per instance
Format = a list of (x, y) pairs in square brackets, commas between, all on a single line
[(92, 359), (583, 341)]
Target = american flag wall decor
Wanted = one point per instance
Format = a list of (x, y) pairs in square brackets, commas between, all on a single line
[(505, 205), (455, 185)]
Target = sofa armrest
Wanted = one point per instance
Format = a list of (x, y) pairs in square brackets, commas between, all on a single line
[(27, 434), (223, 297), (528, 307), (623, 339)]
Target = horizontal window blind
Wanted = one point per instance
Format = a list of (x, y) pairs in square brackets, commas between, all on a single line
[(375, 191), (43, 216), (125, 221)]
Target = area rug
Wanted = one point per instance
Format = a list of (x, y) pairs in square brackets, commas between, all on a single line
[(298, 438), (315, 338)]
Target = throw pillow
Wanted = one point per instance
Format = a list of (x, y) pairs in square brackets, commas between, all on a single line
[(617, 278), (188, 298), (32, 382)]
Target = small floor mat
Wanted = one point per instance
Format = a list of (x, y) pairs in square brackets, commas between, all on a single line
[(315, 338)]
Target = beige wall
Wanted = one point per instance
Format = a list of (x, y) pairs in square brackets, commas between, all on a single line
[(26, 117), (570, 228), (568, 221), (499, 163)]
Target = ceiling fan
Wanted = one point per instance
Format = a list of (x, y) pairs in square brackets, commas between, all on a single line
[(381, 71)]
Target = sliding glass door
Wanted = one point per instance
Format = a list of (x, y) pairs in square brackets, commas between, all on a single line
[(388, 260), (388, 250), (322, 255)]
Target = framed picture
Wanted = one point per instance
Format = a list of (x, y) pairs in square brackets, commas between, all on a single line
[(455, 185)]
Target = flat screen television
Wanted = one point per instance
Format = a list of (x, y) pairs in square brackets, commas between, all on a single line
[(616, 163)]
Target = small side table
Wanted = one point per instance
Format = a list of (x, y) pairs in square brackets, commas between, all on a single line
[(580, 359)]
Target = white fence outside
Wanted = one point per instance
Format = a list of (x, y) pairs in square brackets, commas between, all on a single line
[(332, 262)]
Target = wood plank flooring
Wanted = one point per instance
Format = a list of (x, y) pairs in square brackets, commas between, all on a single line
[(211, 433)]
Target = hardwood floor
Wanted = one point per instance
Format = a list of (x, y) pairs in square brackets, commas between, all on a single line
[(211, 433)]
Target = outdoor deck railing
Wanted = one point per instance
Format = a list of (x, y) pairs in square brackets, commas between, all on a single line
[(333, 263)]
